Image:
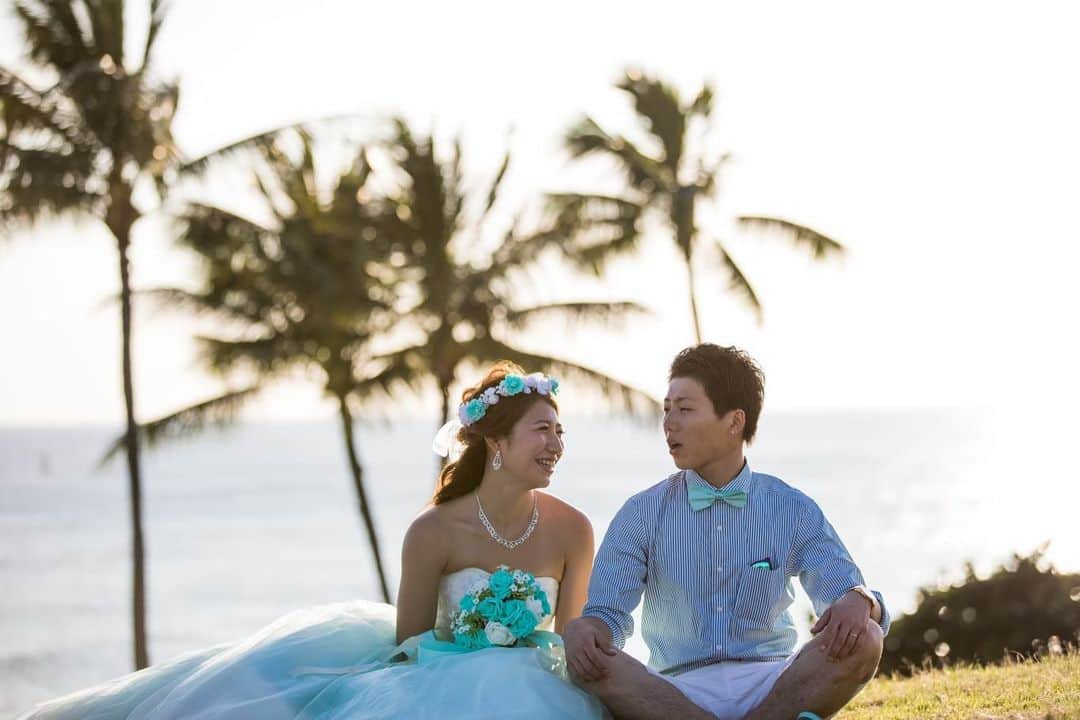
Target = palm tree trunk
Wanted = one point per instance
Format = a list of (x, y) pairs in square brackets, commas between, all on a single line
[(693, 298), (682, 217), (444, 415), (361, 496), (122, 231)]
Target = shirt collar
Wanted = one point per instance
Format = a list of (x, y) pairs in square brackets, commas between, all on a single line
[(742, 481)]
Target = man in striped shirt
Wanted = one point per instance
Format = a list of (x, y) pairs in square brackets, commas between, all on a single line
[(713, 549)]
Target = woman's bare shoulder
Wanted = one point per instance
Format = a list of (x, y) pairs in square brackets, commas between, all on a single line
[(437, 519), (567, 515)]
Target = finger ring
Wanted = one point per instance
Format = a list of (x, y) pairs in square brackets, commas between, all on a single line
[(853, 633)]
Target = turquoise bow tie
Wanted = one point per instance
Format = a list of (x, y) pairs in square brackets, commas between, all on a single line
[(702, 496)]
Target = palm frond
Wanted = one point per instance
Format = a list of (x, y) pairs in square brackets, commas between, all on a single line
[(267, 356), (173, 298), (210, 230), (643, 172), (739, 284), (702, 105), (158, 10), (820, 246), (577, 311), (24, 108), (402, 371), (40, 184), (599, 226), (493, 192), (247, 145), (519, 250), (453, 191), (54, 35), (218, 412), (659, 107)]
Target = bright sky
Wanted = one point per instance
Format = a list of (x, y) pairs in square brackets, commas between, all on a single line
[(938, 141)]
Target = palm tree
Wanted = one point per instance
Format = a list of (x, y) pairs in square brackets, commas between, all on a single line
[(78, 144), (665, 179), (465, 311), (308, 290)]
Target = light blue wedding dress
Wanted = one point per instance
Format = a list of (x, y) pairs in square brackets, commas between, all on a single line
[(340, 662)]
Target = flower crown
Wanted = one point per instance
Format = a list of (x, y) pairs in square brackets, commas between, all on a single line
[(471, 411)]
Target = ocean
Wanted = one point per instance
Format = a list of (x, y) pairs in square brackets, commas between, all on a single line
[(245, 525)]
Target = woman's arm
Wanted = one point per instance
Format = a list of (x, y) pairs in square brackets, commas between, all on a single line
[(574, 587), (423, 559)]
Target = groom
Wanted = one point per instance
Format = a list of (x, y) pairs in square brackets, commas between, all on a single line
[(713, 549)]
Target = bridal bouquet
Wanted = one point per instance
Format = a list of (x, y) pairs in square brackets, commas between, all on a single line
[(504, 611)]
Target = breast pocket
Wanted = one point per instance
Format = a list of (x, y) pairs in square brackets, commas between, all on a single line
[(758, 592)]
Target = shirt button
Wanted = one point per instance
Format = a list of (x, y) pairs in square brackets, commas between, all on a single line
[(719, 608)]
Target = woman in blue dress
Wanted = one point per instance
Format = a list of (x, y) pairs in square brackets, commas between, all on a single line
[(418, 660)]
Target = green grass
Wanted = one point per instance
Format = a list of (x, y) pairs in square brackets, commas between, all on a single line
[(1045, 690)]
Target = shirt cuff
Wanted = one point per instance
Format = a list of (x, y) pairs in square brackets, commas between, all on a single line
[(886, 619)]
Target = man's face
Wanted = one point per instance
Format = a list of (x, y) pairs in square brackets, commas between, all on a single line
[(695, 435)]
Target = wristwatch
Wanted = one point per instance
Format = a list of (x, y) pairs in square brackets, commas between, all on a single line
[(861, 590)]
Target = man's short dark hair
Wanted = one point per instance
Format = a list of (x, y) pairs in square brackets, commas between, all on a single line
[(731, 379)]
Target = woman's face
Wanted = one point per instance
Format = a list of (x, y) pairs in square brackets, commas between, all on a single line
[(534, 446)]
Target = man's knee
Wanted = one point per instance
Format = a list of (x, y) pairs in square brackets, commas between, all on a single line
[(868, 653), (624, 673)]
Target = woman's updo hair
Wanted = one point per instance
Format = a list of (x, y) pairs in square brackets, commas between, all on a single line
[(463, 476)]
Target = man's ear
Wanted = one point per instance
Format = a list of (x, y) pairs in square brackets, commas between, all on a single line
[(738, 422)]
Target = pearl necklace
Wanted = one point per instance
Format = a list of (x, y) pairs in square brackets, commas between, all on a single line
[(508, 544)]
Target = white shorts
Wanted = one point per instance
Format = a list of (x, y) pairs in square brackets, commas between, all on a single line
[(729, 690)]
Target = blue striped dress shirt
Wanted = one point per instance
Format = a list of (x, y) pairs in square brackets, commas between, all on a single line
[(717, 582)]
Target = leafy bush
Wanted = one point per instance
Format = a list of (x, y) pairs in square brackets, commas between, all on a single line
[(1021, 610)]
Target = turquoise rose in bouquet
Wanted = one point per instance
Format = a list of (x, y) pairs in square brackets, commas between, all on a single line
[(500, 583)]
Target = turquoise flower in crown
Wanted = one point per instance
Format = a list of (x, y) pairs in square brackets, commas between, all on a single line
[(511, 385), (473, 411), (554, 386)]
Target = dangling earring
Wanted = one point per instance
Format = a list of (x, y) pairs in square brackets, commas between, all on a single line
[(496, 462)]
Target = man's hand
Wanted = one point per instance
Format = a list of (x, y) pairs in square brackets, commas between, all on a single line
[(588, 648), (843, 625)]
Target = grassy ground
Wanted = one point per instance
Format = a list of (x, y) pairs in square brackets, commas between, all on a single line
[(1045, 690)]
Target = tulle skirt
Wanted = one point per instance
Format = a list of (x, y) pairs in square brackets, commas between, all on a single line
[(333, 662)]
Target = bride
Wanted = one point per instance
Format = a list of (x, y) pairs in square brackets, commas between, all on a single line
[(489, 529)]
